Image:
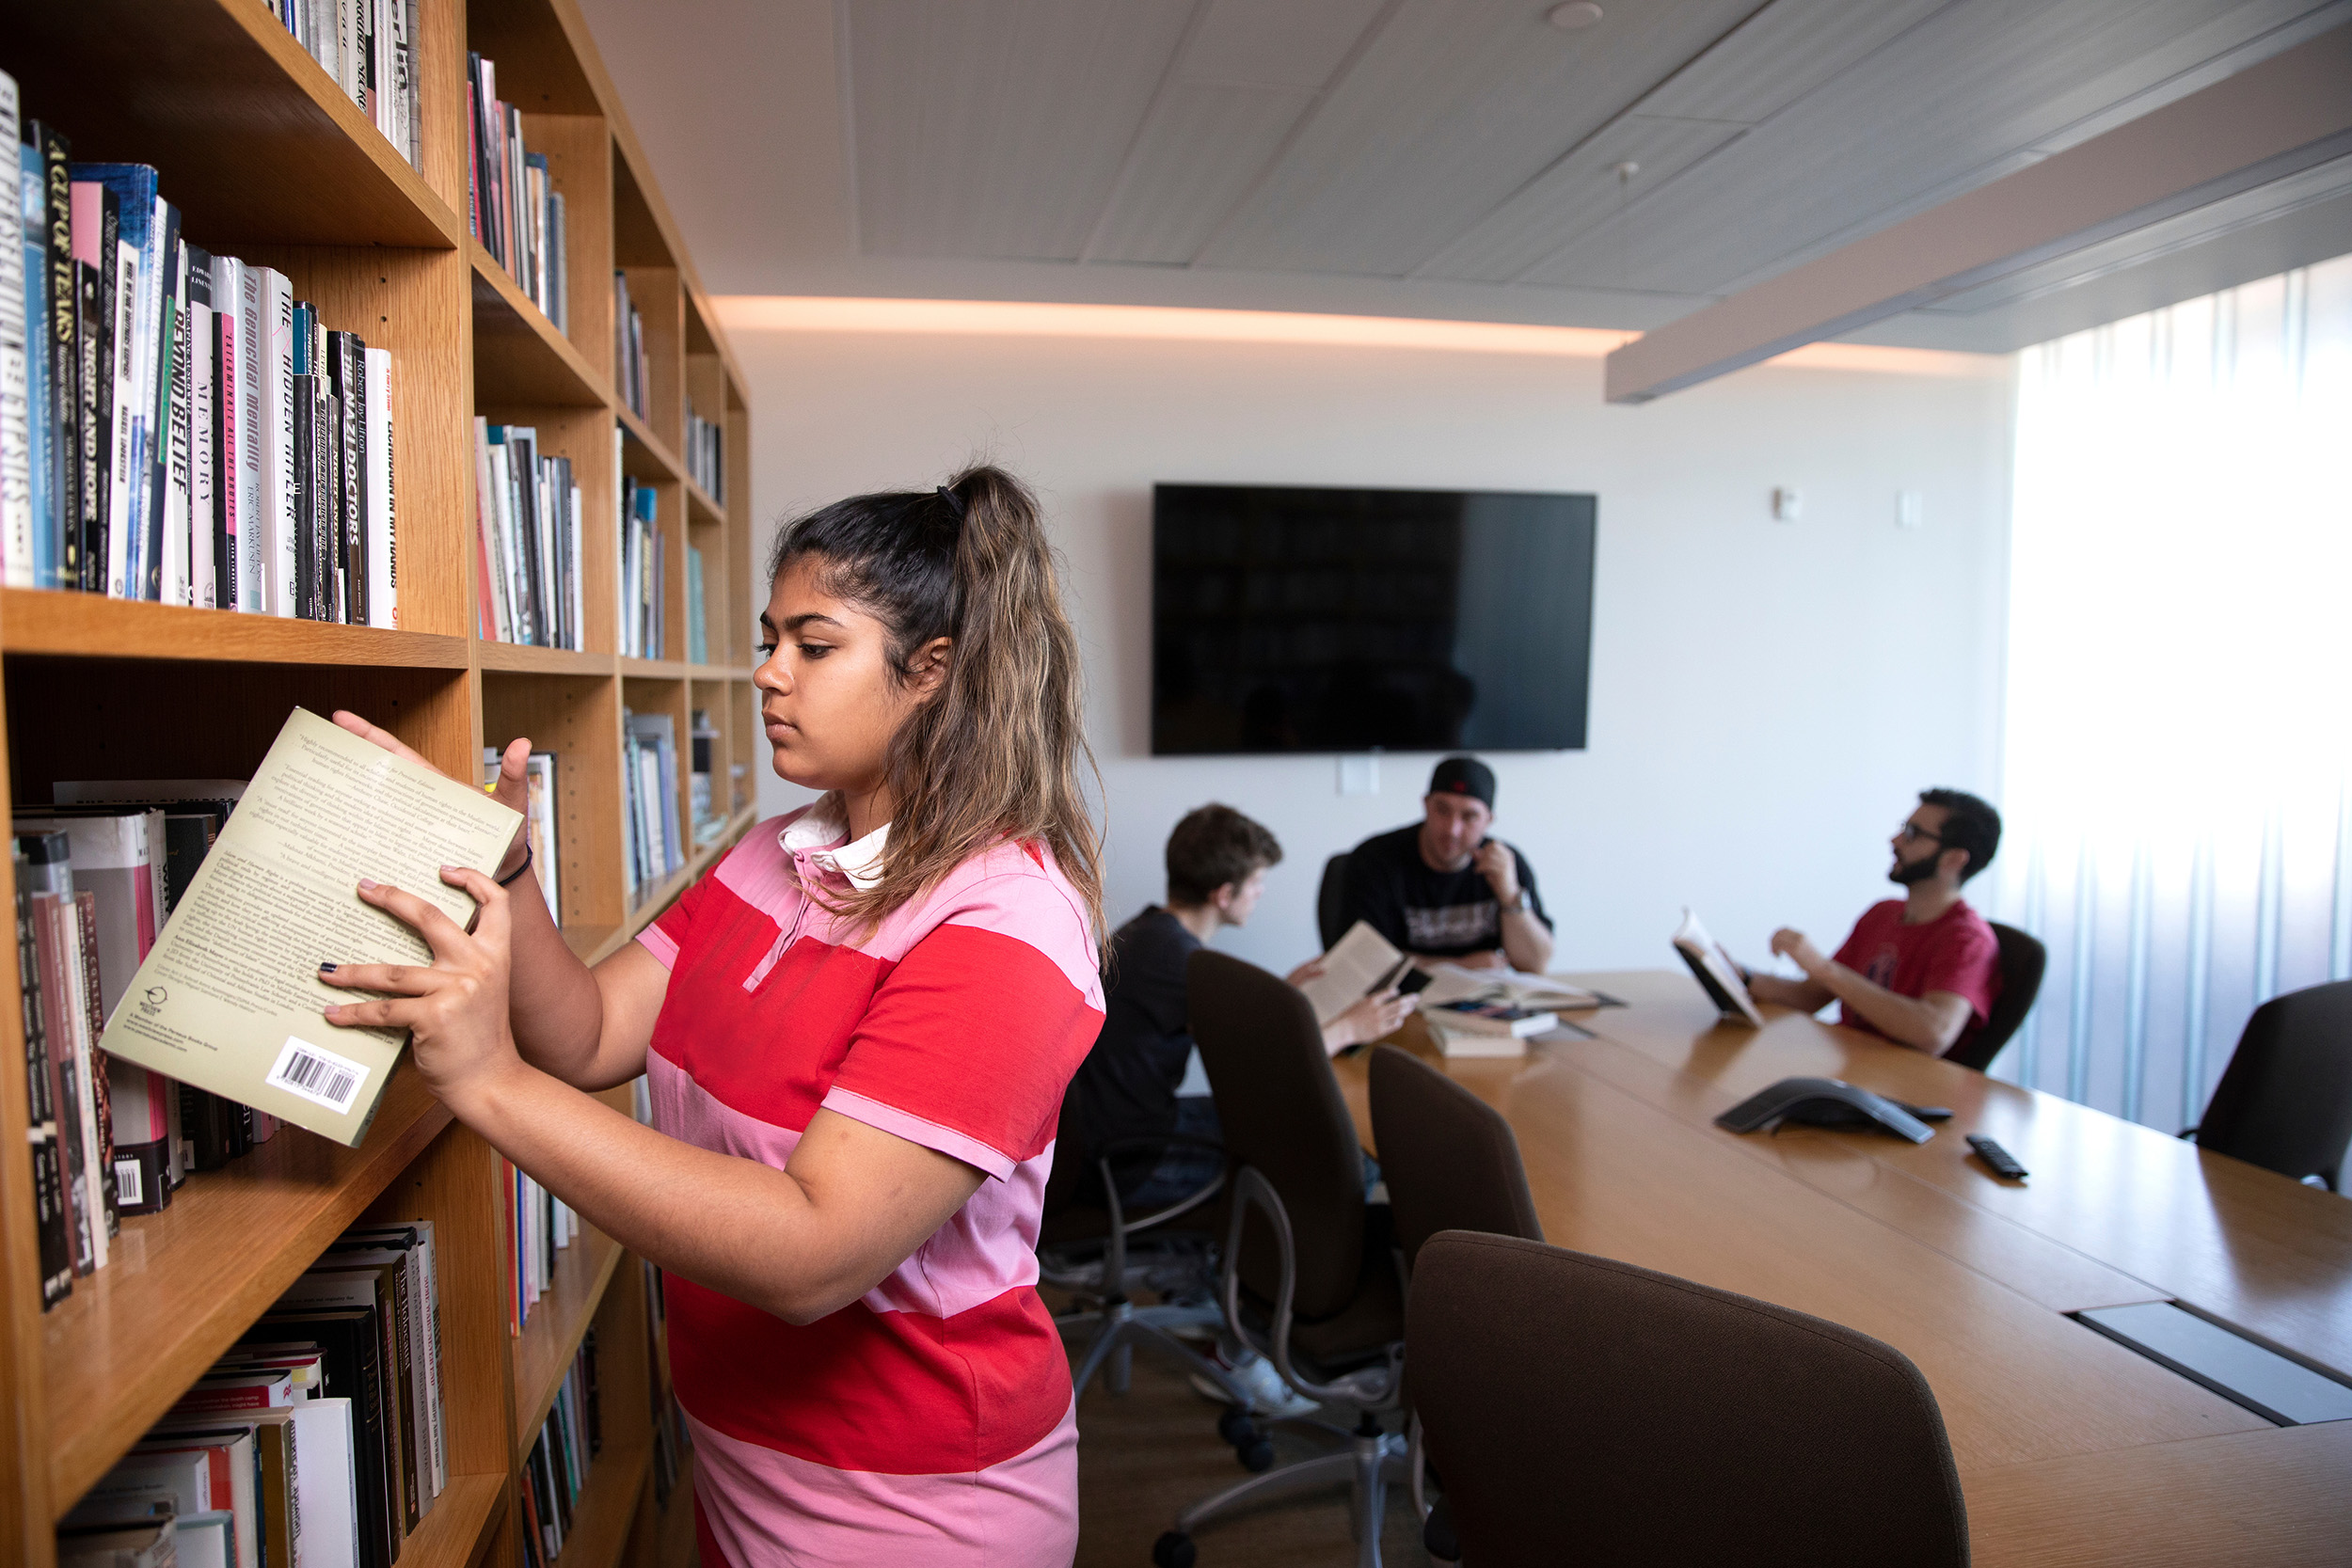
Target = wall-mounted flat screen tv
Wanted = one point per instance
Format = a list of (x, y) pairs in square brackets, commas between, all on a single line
[(1289, 619)]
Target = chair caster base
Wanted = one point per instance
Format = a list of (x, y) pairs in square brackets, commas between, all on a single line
[(1256, 1457), (1235, 1427), (1173, 1550)]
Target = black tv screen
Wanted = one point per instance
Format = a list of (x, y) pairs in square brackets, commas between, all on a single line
[(1289, 619)]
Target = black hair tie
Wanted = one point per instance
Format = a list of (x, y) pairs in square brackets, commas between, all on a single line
[(955, 502)]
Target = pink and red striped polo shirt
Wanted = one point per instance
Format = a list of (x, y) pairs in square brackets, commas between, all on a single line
[(930, 1421)]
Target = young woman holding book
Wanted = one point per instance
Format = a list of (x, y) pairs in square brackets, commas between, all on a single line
[(857, 1030)]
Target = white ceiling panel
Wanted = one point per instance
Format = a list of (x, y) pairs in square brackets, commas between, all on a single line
[(1578, 193), (1449, 107), (1781, 54), (1274, 43), (1975, 91), (995, 128), (1198, 153)]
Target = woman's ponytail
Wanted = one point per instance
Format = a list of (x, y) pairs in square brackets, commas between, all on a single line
[(994, 754)]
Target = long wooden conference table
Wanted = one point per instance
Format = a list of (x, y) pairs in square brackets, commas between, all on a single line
[(2070, 1447)]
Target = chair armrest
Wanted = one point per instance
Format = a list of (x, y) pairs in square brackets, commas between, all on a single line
[(1122, 1147), (1367, 1387)]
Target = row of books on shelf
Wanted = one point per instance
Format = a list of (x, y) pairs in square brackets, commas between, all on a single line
[(513, 206), (539, 1226), (657, 847), (527, 538), (706, 454), (632, 370), (645, 571), (319, 1441), (671, 1443), (98, 872), (176, 425), (369, 48), (557, 1469)]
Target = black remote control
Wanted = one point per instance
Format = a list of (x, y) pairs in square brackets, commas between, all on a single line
[(1999, 1161)]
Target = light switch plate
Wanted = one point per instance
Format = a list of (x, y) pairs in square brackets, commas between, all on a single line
[(1359, 775)]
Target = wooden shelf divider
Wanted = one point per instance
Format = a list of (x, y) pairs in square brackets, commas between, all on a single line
[(268, 161)]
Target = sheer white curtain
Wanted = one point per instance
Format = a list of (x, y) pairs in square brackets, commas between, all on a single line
[(2180, 685)]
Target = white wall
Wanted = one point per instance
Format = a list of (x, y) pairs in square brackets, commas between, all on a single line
[(1767, 697)]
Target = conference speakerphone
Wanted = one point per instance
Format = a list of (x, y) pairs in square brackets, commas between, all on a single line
[(1830, 1103)]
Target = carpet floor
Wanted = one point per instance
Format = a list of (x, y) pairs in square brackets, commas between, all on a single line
[(1144, 1454)]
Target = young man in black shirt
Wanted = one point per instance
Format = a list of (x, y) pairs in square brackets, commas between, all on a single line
[(1443, 889), (1126, 1087)]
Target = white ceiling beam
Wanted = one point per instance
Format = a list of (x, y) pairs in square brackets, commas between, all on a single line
[(2270, 121)]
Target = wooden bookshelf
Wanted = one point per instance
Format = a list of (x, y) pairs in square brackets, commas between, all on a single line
[(267, 161)]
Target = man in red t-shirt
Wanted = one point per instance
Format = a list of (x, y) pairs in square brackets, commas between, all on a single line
[(1922, 970)]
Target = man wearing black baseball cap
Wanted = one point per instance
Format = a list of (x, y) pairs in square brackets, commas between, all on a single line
[(1443, 889)]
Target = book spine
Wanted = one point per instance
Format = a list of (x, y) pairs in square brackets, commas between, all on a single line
[(351, 405), (32, 219), (104, 432), (305, 469), (16, 502), (94, 1115), (105, 1172), (170, 299), (49, 1189), (253, 446), (113, 569), (203, 382), (55, 935), (64, 353), (376, 378), (174, 584), (281, 566), (90, 272), (228, 400), (326, 503)]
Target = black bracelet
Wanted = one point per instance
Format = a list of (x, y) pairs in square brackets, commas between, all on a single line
[(508, 881)]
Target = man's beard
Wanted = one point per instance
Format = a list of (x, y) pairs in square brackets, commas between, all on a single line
[(1905, 873)]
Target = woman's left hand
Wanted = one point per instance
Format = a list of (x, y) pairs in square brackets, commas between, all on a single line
[(455, 1009)]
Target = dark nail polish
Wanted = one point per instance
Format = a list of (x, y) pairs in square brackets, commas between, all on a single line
[(327, 968)]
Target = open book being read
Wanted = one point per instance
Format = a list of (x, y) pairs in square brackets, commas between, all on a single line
[(230, 1000), (1715, 971), (1360, 962)]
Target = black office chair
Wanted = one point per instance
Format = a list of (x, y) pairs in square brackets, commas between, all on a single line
[(1450, 1159), (1088, 1245), (1331, 902), (1452, 1163), (1584, 1408), (2284, 1102), (1308, 1276), (2023, 960)]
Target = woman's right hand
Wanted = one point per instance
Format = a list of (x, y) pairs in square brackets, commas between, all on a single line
[(514, 785)]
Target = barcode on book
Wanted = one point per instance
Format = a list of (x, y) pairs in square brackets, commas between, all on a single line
[(127, 1187), (317, 1074)]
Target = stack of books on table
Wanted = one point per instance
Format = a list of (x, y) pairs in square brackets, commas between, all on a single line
[(318, 1441), (568, 1440), (99, 871), (526, 540), (644, 609), (176, 425), (706, 454), (369, 48), (512, 208), (657, 849)]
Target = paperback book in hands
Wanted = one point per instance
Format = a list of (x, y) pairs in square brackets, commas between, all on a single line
[(229, 998)]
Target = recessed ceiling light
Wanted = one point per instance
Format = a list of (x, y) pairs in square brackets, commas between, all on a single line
[(1575, 17)]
